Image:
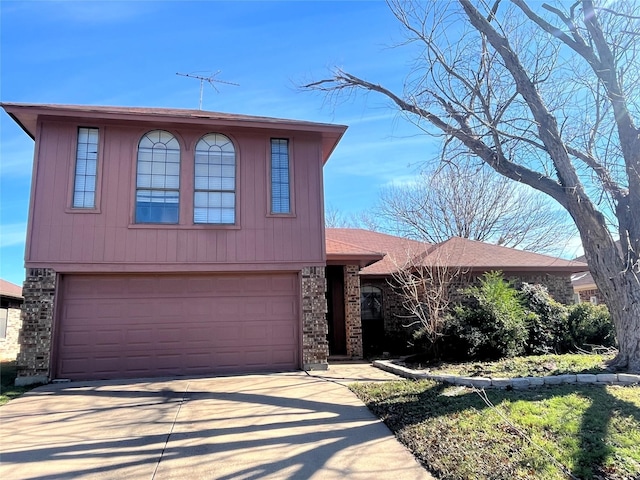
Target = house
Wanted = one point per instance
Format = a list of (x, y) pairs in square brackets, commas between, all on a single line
[(351, 262), (172, 242), (10, 321), (584, 286)]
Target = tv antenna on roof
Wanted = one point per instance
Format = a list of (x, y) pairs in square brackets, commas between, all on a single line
[(211, 80)]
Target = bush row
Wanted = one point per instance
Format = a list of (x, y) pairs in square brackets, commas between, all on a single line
[(497, 320)]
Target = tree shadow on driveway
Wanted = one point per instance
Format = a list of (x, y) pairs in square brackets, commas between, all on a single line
[(226, 428)]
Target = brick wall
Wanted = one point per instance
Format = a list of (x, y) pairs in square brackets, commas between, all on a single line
[(559, 285), (586, 295), (9, 345), (37, 318), (315, 347), (353, 322)]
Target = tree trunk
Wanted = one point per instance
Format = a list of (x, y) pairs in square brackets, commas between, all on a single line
[(618, 284), (622, 296)]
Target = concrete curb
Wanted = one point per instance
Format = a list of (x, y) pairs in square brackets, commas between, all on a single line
[(624, 379)]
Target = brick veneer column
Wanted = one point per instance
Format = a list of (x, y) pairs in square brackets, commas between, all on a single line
[(37, 319), (315, 347), (353, 320)]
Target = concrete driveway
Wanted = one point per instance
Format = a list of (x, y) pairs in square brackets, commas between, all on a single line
[(275, 426)]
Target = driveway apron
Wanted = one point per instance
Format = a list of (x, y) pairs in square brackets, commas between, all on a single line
[(275, 426)]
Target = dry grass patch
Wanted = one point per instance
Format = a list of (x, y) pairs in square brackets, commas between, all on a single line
[(531, 366)]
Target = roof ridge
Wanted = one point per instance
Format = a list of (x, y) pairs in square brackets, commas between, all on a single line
[(494, 245)]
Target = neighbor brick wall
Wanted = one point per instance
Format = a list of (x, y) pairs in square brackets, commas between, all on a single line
[(353, 322), (585, 295), (9, 345), (315, 347), (37, 319)]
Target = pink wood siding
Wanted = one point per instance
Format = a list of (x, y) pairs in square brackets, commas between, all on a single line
[(116, 326), (73, 240)]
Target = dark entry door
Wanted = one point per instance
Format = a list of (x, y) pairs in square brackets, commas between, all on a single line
[(372, 316), (335, 310)]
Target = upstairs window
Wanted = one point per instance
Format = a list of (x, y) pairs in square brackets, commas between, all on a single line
[(84, 184), (280, 182), (215, 181), (158, 178)]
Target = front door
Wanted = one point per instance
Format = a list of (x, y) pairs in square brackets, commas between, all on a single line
[(335, 310), (372, 315)]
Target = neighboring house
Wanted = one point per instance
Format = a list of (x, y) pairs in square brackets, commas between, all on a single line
[(584, 286), (10, 320), (172, 242), (382, 326)]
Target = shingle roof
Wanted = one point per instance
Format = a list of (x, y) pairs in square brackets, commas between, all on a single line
[(8, 289), (455, 252), (462, 252), (338, 252), (396, 250)]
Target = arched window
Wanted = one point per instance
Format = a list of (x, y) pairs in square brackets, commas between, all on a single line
[(370, 303), (215, 180), (158, 178)]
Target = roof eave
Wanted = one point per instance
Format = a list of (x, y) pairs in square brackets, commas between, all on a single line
[(26, 115), (363, 260)]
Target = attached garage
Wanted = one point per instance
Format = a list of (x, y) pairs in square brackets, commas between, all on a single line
[(117, 326)]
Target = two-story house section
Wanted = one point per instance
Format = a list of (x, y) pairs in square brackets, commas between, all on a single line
[(172, 242)]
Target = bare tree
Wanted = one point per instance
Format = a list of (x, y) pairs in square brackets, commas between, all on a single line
[(472, 201), (334, 218), (425, 284), (546, 96)]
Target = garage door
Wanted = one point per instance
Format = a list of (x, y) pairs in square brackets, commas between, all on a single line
[(154, 325)]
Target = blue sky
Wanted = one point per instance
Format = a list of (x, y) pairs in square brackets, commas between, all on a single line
[(128, 53)]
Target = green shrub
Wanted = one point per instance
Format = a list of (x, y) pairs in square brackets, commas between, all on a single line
[(590, 325), (546, 321), (493, 325)]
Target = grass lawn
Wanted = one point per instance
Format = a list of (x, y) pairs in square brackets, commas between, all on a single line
[(552, 432), (7, 389)]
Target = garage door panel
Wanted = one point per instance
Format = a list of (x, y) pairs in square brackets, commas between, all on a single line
[(283, 333), (282, 357), (125, 326), (283, 307), (108, 365)]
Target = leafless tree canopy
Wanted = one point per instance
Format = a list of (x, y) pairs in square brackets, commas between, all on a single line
[(546, 95), (426, 291), (472, 201), (334, 218)]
